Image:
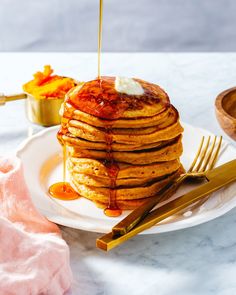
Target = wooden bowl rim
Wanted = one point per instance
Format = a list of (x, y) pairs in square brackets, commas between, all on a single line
[(218, 103)]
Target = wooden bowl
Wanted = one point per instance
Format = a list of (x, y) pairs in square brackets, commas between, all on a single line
[(225, 107)]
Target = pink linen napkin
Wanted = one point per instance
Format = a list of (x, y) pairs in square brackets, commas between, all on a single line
[(34, 259)]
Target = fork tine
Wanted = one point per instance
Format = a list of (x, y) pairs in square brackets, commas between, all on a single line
[(215, 156), (208, 158), (202, 157), (197, 155)]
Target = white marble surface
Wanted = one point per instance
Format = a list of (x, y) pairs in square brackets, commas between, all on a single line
[(198, 260)]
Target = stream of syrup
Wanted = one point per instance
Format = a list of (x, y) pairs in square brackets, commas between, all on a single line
[(100, 37)]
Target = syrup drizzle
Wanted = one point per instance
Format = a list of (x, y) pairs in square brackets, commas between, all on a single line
[(112, 209), (64, 162), (63, 190), (100, 37)]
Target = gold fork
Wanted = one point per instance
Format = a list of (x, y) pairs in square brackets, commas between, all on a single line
[(204, 161)]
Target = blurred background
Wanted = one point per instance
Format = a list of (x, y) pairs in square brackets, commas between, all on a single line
[(129, 25)]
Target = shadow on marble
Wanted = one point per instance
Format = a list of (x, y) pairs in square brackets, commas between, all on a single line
[(190, 254)]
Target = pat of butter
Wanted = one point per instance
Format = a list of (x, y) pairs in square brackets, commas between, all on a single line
[(128, 86)]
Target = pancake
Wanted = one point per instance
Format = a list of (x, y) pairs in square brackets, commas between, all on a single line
[(98, 181), (100, 98), (106, 182), (139, 122), (169, 150), (85, 144), (97, 168), (102, 194)]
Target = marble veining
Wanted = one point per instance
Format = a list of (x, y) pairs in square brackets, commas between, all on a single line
[(197, 260)]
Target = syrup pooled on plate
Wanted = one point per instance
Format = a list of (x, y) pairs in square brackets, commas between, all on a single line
[(63, 190)]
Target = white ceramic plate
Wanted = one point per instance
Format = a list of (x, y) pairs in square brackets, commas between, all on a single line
[(42, 159)]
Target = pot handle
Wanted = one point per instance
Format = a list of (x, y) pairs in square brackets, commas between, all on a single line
[(7, 98)]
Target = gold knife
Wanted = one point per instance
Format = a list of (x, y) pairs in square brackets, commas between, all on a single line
[(217, 178)]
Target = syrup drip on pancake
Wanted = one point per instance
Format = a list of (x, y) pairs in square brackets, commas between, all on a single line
[(67, 114), (112, 209), (64, 162), (98, 97)]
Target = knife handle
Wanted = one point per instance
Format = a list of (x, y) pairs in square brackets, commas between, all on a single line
[(130, 221)]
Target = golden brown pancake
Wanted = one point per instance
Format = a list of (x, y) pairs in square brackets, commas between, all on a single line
[(97, 181), (100, 99), (97, 168), (70, 140), (169, 150), (101, 194), (139, 122)]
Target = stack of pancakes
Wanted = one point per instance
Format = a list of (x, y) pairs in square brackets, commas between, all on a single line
[(138, 136)]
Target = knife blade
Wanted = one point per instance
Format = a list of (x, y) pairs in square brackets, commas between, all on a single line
[(217, 178)]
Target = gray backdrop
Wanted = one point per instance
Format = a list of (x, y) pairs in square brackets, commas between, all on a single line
[(129, 25)]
